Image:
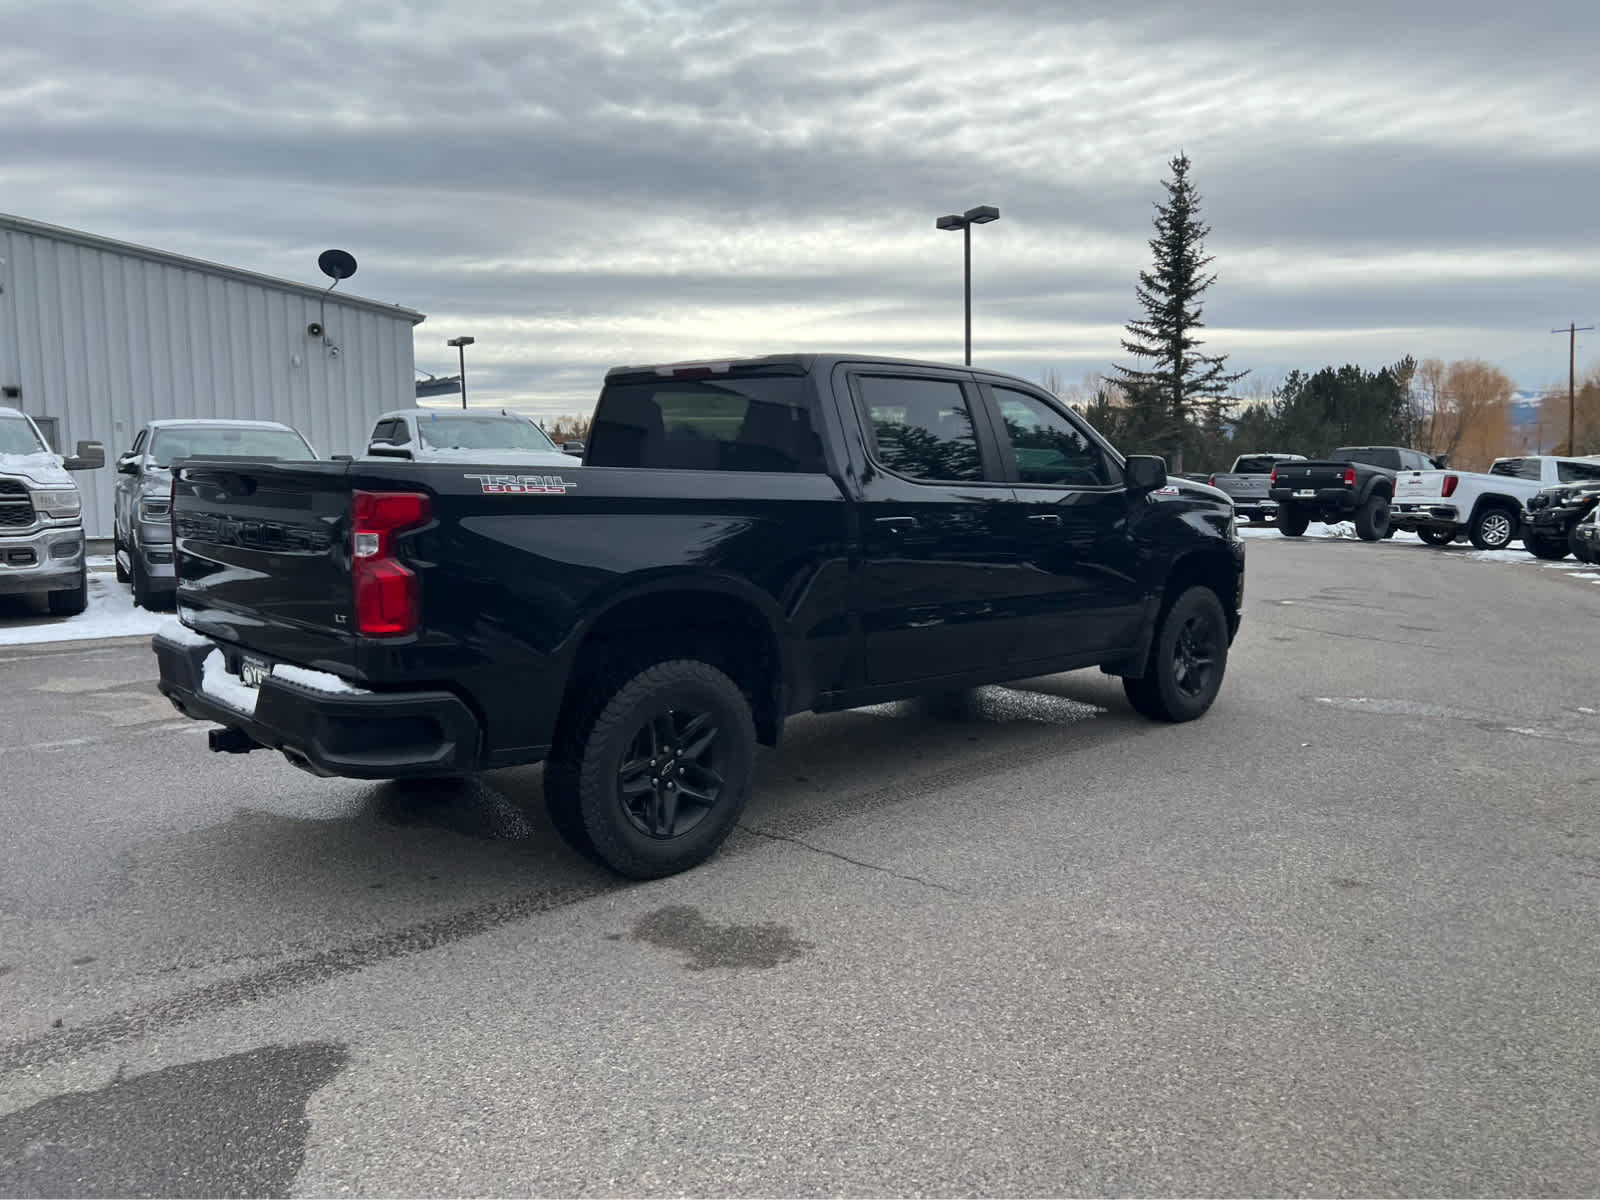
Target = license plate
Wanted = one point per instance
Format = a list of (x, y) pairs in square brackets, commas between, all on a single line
[(252, 671), (1305, 493)]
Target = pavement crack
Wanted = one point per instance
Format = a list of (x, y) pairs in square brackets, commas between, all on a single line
[(855, 862)]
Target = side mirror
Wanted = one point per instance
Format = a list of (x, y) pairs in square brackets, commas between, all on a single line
[(572, 447), (1145, 473), (377, 451), (128, 464), (91, 456)]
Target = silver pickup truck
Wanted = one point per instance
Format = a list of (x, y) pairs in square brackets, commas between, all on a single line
[(41, 516), (1248, 483)]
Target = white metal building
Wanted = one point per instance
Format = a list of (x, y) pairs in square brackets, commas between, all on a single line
[(98, 337)]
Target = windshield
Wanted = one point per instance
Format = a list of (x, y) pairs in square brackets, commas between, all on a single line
[(17, 437), (225, 441), (481, 433)]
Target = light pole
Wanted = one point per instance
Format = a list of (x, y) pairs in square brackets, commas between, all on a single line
[(981, 215), (461, 344)]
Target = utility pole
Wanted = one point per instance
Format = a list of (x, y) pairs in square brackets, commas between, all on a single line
[(1572, 331)]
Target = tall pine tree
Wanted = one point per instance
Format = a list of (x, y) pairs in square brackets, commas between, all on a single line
[(1176, 380)]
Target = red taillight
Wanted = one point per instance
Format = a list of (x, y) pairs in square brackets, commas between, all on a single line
[(1272, 480), (1212, 481), (1349, 477), (388, 598), (1450, 482)]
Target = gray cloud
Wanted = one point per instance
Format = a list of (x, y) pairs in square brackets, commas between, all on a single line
[(587, 184)]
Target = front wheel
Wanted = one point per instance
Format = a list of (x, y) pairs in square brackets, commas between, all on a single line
[(1436, 537), (1493, 529), (1187, 660), (1580, 548), (1292, 522), (73, 601), (662, 773), (1372, 519), (1550, 549), (116, 554)]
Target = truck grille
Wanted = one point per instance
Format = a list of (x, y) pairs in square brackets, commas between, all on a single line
[(16, 510)]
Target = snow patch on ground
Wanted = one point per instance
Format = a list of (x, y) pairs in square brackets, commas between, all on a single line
[(224, 688), (1343, 531), (320, 681), (110, 614)]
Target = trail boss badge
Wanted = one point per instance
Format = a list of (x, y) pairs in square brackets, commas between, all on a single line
[(522, 485)]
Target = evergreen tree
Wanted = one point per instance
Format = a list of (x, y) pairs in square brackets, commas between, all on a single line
[(1179, 381)]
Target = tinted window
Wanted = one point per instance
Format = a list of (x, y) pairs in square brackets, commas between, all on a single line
[(224, 441), (741, 423), (921, 428), (1516, 468), (1260, 464), (1372, 456), (1576, 472), (1048, 447), (384, 432)]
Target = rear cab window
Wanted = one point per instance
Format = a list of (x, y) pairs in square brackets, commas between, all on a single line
[(745, 419), (1516, 468), (1577, 472), (1372, 456), (1260, 464)]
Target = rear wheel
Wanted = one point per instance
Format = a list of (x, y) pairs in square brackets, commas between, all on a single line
[(1551, 549), (1436, 537), (1372, 519), (1292, 522), (659, 777), (1493, 528), (1187, 660)]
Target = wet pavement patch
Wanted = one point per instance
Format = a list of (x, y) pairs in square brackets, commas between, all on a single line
[(232, 1126), (469, 807), (710, 946)]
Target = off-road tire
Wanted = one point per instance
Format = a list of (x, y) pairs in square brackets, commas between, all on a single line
[(1580, 550), (1549, 549), (1372, 519), (1160, 692), (583, 790), (1292, 522), (116, 557)]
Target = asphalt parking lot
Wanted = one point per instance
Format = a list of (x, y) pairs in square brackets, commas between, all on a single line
[(1337, 938)]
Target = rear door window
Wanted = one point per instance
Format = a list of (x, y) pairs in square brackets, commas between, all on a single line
[(744, 422), (921, 428)]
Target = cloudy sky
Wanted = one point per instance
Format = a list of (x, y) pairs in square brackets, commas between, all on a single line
[(584, 184)]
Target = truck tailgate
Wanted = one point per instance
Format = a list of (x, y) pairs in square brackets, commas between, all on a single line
[(1414, 486), (1309, 477), (263, 557)]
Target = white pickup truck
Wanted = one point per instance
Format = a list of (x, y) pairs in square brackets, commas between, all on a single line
[(1488, 507)]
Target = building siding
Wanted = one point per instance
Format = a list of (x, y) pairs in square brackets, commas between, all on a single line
[(105, 340)]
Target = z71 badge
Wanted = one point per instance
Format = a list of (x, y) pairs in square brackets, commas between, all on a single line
[(522, 485)]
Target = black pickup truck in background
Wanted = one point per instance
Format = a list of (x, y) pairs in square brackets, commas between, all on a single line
[(743, 541), (1354, 483)]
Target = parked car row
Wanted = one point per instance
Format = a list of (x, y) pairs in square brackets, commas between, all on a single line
[(142, 507), (1548, 501)]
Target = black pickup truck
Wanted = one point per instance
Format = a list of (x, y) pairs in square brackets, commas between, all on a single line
[(1354, 483), (743, 541)]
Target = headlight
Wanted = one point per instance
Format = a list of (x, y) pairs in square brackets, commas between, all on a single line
[(58, 502), (155, 510)]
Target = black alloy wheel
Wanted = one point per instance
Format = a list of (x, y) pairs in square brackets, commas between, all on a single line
[(673, 773)]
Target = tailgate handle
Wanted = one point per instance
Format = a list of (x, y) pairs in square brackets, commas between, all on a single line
[(895, 523), (1046, 518)]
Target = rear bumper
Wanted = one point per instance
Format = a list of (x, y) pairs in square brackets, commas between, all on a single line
[(49, 560), (1408, 513), (354, 734), (1321, 498)]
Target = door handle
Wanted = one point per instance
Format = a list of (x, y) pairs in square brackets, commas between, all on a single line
[(1046, 518), (897, 522)]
